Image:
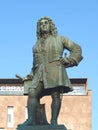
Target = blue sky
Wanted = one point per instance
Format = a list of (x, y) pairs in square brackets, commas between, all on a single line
[(78, 20)]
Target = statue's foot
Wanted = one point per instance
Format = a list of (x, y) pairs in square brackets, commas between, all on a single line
[(28, 122), (54, 122)]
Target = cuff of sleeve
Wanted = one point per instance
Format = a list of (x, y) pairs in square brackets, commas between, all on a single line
[(72, 62)]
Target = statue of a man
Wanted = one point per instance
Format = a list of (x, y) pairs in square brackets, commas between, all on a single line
[(49, 74)]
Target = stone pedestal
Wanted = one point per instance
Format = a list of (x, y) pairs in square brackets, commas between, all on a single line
[(42, 127)]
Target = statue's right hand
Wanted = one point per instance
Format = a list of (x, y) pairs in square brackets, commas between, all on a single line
[(18, 76), (22, 78), (28, 77)]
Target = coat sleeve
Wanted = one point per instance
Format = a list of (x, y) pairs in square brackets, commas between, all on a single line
[(75, 50)]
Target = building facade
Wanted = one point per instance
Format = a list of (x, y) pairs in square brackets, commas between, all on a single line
[(75, 114)]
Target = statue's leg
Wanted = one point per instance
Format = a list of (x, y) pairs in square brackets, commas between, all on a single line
[(32, 104), (55, 107)]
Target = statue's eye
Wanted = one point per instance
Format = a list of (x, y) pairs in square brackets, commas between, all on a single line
[(41, 23), (46, 22)]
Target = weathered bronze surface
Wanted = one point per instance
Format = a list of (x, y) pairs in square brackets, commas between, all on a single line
[(48, 75), (42, 127)]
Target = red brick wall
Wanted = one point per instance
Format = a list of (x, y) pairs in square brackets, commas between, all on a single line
[(75, 114)]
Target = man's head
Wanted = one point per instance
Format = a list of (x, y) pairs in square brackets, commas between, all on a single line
[(45, 25)]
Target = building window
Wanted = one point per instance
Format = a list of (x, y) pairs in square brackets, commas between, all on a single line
[(26, 112), (10, 116)]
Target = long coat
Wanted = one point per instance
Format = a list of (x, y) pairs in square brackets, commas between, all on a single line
[(46, 64)]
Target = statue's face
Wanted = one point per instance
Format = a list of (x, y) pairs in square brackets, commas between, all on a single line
[(44, 25)]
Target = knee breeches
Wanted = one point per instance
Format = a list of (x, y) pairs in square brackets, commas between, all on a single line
[(35, 92)]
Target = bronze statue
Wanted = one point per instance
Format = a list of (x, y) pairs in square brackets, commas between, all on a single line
[(48, 74)]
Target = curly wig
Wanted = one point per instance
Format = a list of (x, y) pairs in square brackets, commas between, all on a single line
[(53, 29)]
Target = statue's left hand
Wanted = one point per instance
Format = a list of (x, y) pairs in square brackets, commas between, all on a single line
[(66, 62)]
